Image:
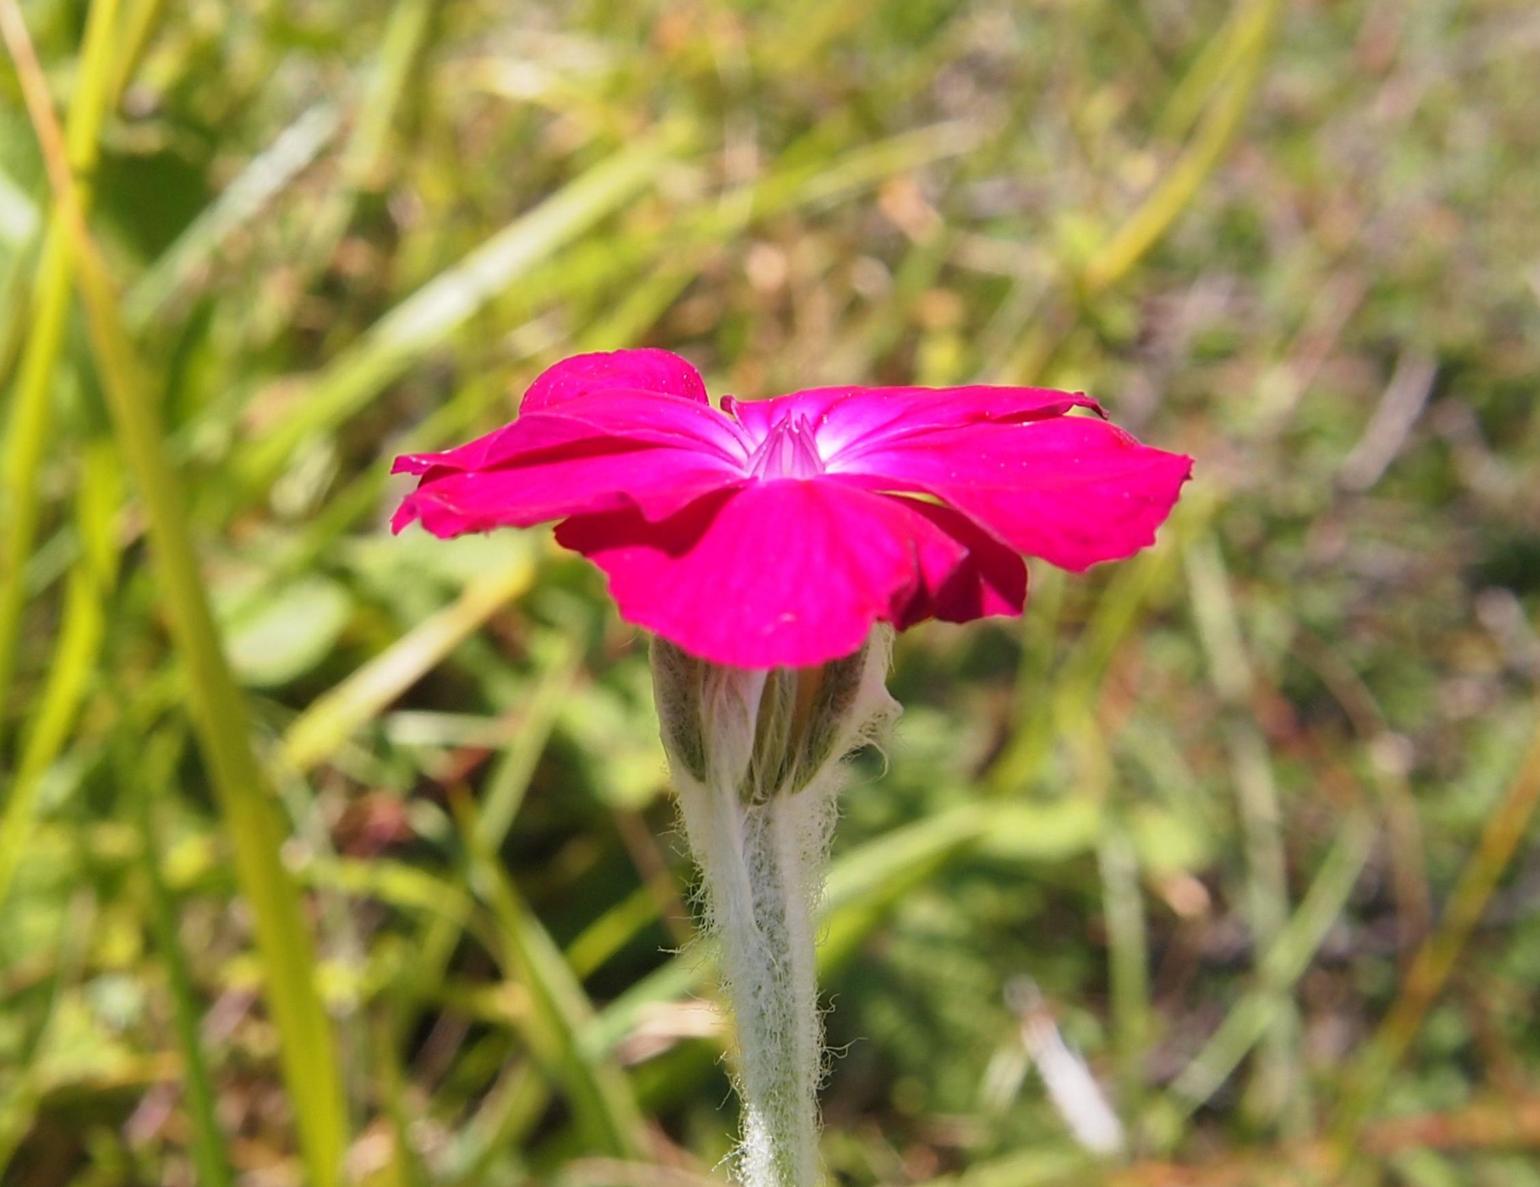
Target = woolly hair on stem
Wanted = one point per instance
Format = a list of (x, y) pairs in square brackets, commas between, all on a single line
[(757, 758)]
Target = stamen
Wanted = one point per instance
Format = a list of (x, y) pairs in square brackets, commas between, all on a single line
[(789, 450)]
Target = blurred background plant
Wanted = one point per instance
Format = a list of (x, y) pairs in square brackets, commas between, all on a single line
[(328, 857)]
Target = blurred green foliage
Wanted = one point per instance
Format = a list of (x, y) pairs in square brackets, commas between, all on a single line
[(1212, 802)]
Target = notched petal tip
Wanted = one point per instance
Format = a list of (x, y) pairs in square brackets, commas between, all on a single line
[(1081, 400), (436, 515), (404, 517)]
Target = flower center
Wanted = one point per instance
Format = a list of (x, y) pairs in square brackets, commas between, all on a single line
[(789, 450)]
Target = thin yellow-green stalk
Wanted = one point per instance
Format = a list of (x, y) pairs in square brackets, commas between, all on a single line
[(31, 414)]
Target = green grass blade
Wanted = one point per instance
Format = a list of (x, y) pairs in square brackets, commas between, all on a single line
[(1226, 47), (598, 1089), (1280, 966), (75, 653), (333, 717), (1128, 957), (31, 416), (1143, 229), (1506, 828), (1256, 793), (1231, 78), (20, 1094), (406, 1169), (500, 801), (402, 46), (140, 18), (245, 798)]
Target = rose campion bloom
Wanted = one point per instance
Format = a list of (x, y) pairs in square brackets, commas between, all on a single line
[(773, 547), (777, 533)]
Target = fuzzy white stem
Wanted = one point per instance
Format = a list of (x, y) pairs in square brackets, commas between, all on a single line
[(763, 866)]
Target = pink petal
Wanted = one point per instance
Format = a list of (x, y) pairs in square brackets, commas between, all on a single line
[(623, 419), (791, 572), (646, 369), (990, 579), (846, 418), (1073, 491), (590, 453), (655, 481)]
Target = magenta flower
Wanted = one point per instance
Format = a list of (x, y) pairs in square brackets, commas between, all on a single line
[(777, 533)]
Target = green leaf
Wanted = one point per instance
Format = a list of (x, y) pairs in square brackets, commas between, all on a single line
[(288, 633)]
